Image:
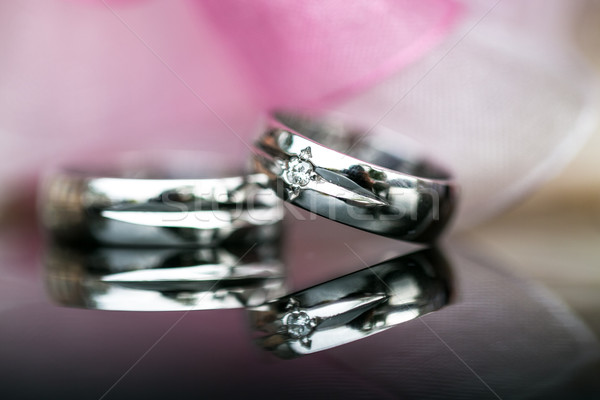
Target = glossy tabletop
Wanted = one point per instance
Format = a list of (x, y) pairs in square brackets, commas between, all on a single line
[(502, 335)]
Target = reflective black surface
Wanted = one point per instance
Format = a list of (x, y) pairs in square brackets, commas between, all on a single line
[(501, 336)]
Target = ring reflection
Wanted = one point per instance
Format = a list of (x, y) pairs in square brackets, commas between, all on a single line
[(353, 306), (163, 279)]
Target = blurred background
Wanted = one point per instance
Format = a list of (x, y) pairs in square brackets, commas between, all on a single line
[(552, 234), (499, 91)]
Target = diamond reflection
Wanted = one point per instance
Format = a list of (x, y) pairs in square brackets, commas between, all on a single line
[(353, 306), (164, 279)]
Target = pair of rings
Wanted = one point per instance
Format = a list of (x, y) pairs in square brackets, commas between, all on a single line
[(324, 167)]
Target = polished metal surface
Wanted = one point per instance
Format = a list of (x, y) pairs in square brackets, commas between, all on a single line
[(353, 181), (145, 209), (164, 279), (354, 306)]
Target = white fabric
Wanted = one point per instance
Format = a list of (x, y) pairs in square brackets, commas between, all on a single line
[(505, 102)]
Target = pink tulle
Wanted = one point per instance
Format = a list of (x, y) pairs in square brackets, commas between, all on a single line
[(82, 77), (313, 52)]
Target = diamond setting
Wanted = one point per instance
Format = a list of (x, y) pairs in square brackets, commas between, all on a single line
[(298, 324), (297, 172)]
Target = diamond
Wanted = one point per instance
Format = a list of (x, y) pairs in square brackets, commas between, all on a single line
[(299, 324), (299, 172)]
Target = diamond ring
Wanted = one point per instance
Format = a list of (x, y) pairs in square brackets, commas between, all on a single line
[(333, 171)]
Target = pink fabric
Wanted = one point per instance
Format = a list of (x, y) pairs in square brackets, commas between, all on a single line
[(82, 77), (312, 52)]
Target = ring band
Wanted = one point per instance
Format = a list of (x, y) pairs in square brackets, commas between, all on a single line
[(408, 198), (354, 306), (117, 209)]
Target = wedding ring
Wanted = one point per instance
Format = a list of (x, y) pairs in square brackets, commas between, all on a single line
[(353, 306), (355, 180), (149, 205), (163, 279)]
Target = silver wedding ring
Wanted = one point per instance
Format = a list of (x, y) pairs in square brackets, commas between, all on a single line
[(146, 206), (336, 172)]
